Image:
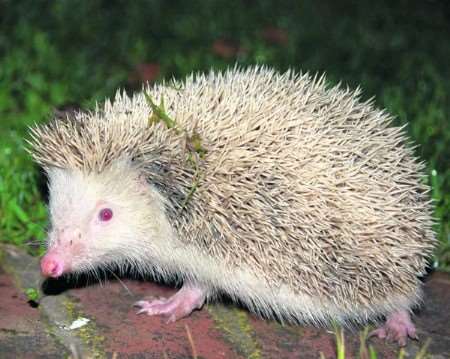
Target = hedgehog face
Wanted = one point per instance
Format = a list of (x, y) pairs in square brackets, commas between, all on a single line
[(96, 217)]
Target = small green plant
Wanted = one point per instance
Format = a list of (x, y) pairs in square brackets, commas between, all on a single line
[(367, 351), (159, 114), (340, 342), (194, 145), (32, 294)]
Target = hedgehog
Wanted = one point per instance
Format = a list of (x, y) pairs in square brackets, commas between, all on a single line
[(279, 191)]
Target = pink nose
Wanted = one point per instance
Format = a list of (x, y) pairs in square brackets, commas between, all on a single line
[(51, 266)]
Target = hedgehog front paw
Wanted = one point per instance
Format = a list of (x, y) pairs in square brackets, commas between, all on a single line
[(398, 327), (178, 306)]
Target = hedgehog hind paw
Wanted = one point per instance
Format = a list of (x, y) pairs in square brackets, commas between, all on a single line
[(178, 306), (398, 328)]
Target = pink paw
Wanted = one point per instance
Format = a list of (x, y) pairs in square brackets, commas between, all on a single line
[(178, 306), (398, 327)]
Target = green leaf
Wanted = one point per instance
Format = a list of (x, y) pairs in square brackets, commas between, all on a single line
[(32, 294), (159, 113), (20, 213)]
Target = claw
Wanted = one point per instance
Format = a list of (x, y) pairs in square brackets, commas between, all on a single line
[(180, 305), (380, 333), (140, 303), (398, 327)]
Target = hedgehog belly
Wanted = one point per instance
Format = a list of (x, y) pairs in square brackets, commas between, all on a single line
[(341, 300), (281, 301)]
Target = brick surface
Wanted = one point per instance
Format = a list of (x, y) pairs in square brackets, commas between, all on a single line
[(218, 330), (22, 332), (134, 335), (433, 320)]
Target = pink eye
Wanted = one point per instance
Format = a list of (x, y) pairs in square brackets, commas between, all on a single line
[(105, 214)]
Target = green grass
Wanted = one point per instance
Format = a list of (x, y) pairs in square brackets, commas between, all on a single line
[(366, 350), (81, 52)]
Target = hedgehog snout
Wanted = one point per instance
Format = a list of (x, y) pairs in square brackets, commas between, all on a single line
[(59, 257), (52, 265)]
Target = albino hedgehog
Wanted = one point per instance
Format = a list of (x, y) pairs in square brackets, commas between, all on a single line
[(303, 203)]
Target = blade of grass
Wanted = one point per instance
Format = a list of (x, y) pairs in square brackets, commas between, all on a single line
[(191, 341)]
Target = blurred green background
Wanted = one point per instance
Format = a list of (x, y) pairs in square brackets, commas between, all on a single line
[(63, 54)]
